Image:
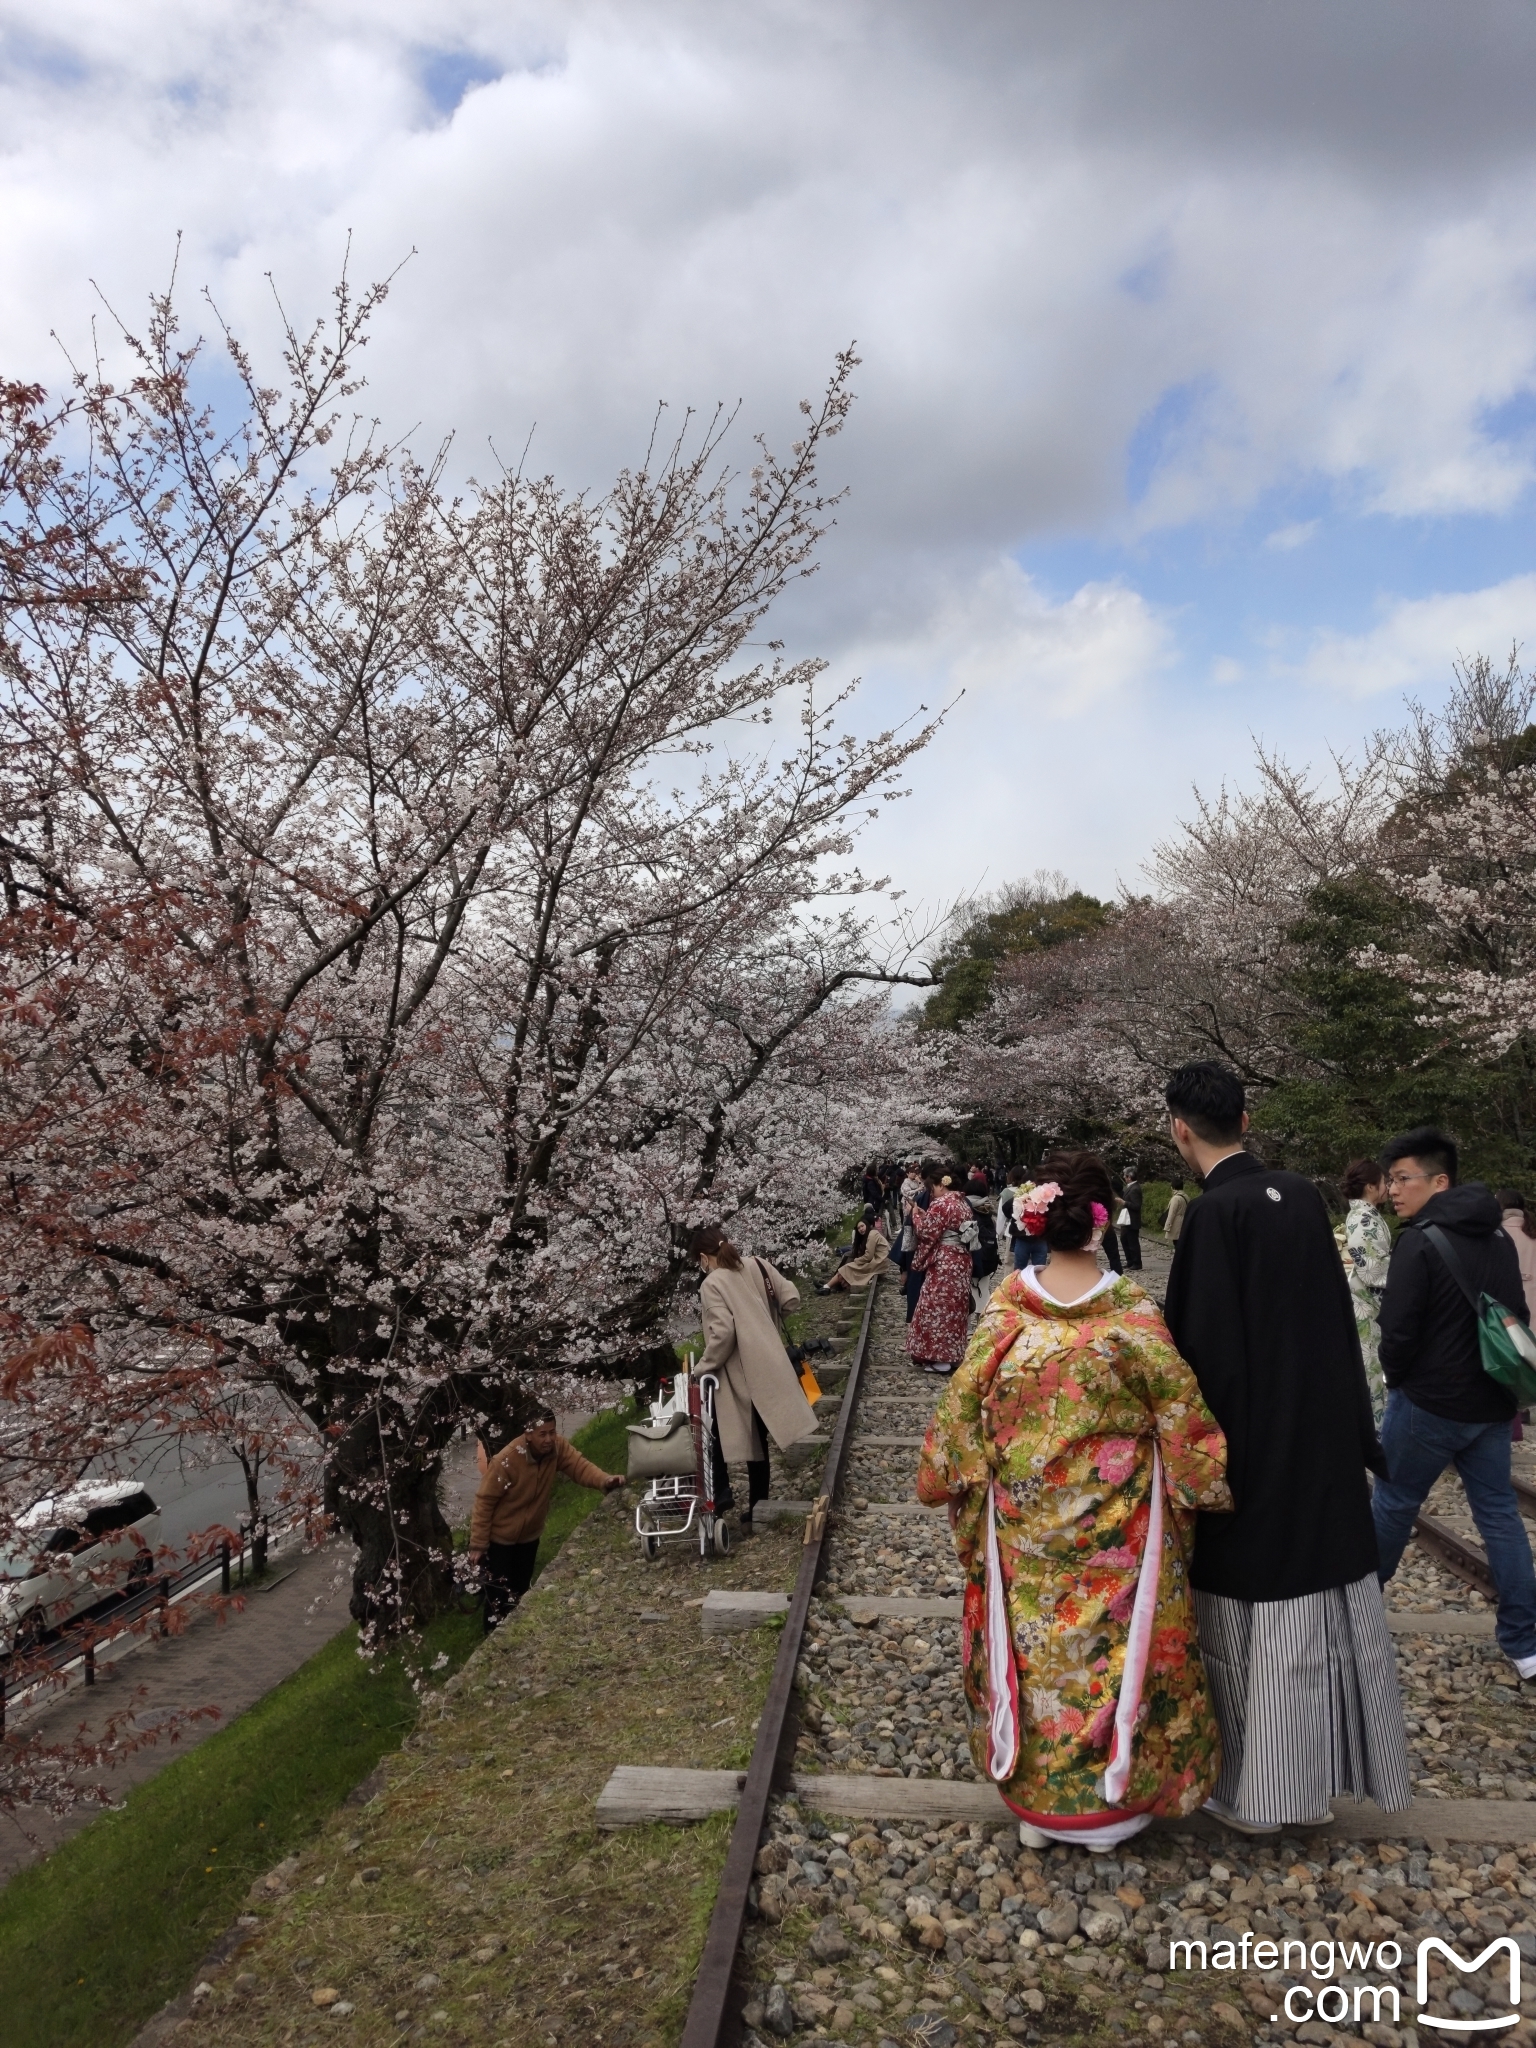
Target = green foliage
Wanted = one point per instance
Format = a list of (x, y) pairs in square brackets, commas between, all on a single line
[(96, 1938), (1376, 1069), (1155, 1197), (1026, 926)]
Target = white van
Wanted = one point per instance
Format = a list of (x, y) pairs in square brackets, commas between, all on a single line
[(71, 1552)]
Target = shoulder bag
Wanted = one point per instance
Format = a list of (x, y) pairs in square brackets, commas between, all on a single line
[(1507, 1347), (810, 1386), (661, 1450)]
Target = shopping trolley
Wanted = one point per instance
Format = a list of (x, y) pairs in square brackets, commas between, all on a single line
[(675, 1453)]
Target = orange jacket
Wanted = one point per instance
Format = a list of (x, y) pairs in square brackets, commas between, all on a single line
[(514, 1496)]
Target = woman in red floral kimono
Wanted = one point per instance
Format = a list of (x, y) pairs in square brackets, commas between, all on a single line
[(1073, 1448), (936, 1334)]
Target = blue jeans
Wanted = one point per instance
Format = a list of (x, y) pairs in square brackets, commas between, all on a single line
[(1419, 1446)]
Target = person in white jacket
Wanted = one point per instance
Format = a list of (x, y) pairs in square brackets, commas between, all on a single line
[(1517, 1228)]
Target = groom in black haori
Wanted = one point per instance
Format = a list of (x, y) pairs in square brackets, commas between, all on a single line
[(1293, 1633)]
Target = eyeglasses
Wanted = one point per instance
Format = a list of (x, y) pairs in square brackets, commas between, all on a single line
[(1403, 1180)]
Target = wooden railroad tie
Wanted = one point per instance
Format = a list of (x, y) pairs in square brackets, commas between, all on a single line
[(640, 1794)]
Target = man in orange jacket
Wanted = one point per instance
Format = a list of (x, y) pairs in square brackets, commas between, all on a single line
[(513, 1504)]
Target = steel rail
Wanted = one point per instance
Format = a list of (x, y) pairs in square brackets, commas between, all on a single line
[(1462, 1557), (712, 1987)]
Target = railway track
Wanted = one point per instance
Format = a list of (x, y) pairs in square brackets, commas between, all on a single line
[(710, 2005), (1459, 1553), (881, 1414)]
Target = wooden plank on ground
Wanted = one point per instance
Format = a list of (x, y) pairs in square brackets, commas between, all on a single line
[(881, 1607), (943, 1607), (638, 1793), (889, 1443), (937, 1802), (727, 1613), (1444, 1624)]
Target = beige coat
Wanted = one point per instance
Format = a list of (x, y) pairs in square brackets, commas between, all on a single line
[(1525, 1251), (743, 1344), (870, 1263), (1173, 1222)]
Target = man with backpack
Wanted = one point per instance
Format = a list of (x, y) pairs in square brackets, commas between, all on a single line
[(1443, 1408)]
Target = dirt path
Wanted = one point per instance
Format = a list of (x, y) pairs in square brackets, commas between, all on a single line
[(228, 1664)]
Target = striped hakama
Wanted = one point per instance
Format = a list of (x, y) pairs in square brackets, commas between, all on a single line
[(1306, 1695)]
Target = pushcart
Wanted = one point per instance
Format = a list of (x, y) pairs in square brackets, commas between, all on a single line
[(675, 1453)]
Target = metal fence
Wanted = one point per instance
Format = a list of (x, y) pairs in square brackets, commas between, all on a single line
[(78, 1641)]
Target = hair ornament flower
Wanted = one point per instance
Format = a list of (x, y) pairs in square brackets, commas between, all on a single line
[(1036, 1202), (1100, 1215)]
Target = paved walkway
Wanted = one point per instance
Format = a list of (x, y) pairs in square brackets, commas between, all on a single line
[(228, 1665)]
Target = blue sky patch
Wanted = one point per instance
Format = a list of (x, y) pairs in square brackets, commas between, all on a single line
[(447, 75)]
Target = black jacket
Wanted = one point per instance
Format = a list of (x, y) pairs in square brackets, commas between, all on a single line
[(1132, 1200), (1428, 1331), (1259, 1306)]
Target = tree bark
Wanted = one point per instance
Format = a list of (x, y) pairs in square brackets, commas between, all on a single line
[(403, 1577)]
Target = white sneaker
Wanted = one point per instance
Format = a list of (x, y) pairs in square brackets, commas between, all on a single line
[(1525, 1667)]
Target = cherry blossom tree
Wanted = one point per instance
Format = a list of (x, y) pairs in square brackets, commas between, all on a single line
[(404, 945), (1080, 1037), (1460, 847)]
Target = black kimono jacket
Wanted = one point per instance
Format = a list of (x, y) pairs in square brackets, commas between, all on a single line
[(1259, 1306)]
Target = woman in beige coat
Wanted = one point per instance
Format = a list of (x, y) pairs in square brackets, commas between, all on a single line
[(871, 1249), (742, 1301)]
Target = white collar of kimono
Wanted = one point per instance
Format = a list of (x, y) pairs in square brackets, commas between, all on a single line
[(1032, 1279)]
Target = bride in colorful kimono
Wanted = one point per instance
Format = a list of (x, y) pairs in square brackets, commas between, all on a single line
[(1073, 1448)]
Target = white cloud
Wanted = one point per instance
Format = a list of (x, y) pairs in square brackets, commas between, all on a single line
[(1413, 643), (1111, 269), (1010, 649), (1045, 226), (1285, 539)]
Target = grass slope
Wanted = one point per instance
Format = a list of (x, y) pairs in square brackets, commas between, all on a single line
[(495, 1912), (95, 1939)]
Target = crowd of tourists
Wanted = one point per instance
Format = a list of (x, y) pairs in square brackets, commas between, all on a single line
[(1176, 1525)]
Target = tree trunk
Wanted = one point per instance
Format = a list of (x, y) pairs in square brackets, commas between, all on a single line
[(403, 1577)]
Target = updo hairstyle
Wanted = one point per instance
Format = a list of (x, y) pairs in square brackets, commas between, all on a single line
[(1361, 1174), (1083, 1180)]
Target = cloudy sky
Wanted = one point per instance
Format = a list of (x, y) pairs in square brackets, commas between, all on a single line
[(1198, 395)]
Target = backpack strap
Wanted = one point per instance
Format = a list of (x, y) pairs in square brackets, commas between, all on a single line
[(1458, 1271)]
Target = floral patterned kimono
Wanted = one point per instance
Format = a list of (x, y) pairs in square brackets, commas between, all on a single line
[(936, 1333), (1367, 1254), (1073, 1447)]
